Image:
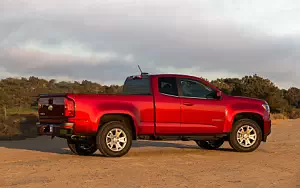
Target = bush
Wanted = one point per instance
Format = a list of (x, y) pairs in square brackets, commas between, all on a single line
[(294, 114), (278, 116)]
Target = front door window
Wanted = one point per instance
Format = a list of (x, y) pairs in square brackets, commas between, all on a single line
[(195, 89)]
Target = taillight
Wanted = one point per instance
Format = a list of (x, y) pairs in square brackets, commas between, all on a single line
[(69, 107)]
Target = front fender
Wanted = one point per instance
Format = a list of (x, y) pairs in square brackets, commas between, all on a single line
[(240, 108)]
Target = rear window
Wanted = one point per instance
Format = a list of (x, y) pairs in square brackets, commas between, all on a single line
[(168, 85), (137, 86)]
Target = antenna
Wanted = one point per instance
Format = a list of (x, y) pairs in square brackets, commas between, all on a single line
[(140, 69), (142, 73)]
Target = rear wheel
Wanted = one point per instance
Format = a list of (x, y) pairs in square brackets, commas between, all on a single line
[(246, 135), (114, 139), (82, 148), (213, 144)]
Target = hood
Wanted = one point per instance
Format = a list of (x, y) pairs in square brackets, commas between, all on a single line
[(246, 99)]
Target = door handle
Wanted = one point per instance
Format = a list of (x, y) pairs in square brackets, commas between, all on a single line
[(188, 104)]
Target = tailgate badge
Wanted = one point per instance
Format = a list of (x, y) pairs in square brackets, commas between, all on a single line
[(50, 107)]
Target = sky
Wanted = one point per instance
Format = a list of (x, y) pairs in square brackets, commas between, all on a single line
[(105, 40)]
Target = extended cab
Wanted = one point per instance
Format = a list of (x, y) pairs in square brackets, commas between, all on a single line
[(164, 106)]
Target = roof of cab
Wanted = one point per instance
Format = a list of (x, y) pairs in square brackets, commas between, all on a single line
[(176, 75), (166, 75), (184, 76), (173, 75)]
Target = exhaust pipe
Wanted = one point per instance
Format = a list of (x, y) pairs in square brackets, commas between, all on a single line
[(73, 137), (81, 138), (76, 137)]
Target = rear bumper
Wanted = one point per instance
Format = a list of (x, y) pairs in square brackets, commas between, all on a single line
[(59, 130)]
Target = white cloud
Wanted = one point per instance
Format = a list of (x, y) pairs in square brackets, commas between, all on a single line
[(105, 40), (74, 50)]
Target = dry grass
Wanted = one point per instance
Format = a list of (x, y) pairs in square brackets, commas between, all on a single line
[(42, 162), (21, 111), (278, 116), (17, 126)]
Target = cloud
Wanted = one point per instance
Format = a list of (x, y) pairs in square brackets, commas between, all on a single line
[(85, 64), (105, 40)]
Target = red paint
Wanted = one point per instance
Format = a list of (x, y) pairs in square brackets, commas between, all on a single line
[(160, 114)]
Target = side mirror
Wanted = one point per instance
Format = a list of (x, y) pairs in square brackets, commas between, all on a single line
[(219, 94)]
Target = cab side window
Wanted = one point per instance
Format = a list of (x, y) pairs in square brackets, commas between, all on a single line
[(168, 85), (193, 88)]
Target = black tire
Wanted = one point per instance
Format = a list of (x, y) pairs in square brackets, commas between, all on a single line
[(210, 145), (239, 145), (82, 149), (102, 141)]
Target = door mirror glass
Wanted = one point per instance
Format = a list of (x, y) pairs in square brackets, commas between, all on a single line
[(219, 94)]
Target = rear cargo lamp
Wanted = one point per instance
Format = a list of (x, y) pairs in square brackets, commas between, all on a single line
[(69, 107), (137, 77)]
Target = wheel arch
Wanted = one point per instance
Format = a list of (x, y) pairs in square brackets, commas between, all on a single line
[(129, 121), (258, 118)]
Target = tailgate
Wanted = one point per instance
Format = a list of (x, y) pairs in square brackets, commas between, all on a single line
[(55, 107)]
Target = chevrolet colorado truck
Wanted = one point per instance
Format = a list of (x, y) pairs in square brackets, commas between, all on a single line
[(156, 107)]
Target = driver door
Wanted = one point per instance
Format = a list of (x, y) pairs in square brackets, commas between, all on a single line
[(201, 111)]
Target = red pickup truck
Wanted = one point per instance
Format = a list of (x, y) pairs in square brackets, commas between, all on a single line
[(164, 107)]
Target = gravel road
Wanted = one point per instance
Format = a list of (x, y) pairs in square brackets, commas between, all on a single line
[(42, 162)]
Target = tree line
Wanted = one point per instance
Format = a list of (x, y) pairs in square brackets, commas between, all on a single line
[(21, 92), (285, 101)]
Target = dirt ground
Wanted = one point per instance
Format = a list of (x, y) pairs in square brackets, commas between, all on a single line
[(42, 162)]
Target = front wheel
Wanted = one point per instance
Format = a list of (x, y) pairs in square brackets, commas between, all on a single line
[(114, 139), (82, 148), (246, 136), (210, 145)]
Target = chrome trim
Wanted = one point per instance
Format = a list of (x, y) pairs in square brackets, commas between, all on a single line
[(186, 97), (197, 98), (56, 125), (169, 95), (50, 107)]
